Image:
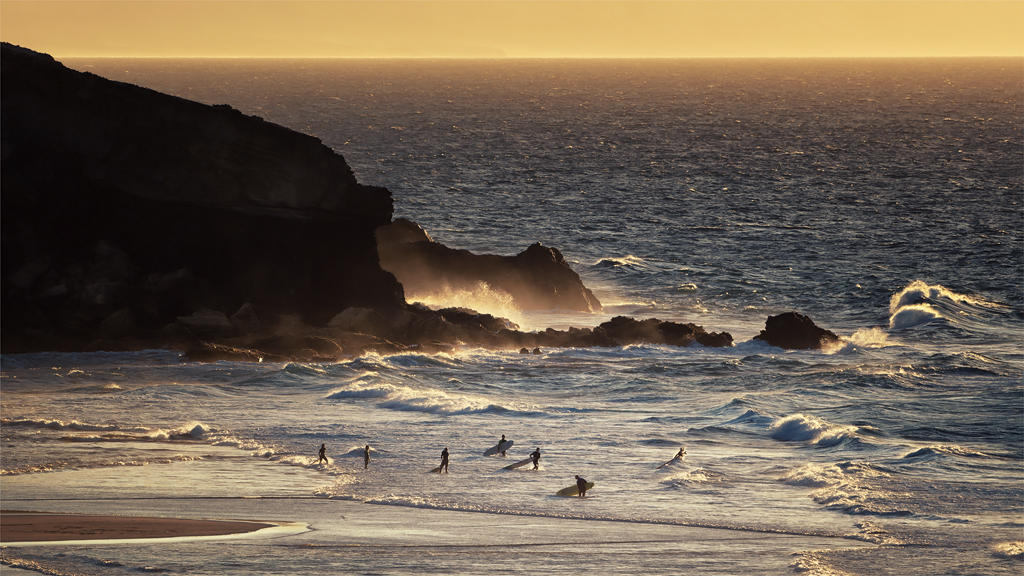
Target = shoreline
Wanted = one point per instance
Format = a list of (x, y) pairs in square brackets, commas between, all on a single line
[(37, 527)]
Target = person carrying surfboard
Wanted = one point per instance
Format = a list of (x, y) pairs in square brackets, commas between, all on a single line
[(323, 454), (536, 458), (444, 461), (581, 484), (500, 442)]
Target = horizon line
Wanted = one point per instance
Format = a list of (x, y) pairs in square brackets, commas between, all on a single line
[(841, 57)]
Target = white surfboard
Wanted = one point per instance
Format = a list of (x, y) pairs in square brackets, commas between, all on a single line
[(519, 464), (669, 462), (573, 490), (676, 459), (499, 448)]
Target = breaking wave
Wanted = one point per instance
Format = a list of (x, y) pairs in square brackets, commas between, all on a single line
[(798, 427), (405, 399)]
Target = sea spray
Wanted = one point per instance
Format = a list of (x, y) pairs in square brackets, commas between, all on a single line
[(799, 427), (482, 298)]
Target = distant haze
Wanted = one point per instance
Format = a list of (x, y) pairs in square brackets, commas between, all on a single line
[(524, 29)]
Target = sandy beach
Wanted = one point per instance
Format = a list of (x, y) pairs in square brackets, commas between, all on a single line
[(48, 527)]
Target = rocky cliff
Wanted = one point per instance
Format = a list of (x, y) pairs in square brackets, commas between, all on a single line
[(125, 209), (538, 278)]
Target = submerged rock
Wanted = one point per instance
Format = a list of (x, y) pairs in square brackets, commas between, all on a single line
[(794, 331)]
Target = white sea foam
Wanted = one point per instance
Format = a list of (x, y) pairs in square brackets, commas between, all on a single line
[(621, 261), (73, 425), (816, 564), (482, 298), (870, 338), (918, 291), (948, 450), (913, 315), (798, 427), (696, 476), (864, 338), (1013, 550), (815, 476), (405, 399), (920, 303)]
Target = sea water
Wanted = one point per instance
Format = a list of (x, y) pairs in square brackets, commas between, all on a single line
[(880, 197)]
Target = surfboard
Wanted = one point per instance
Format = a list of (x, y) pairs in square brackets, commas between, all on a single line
[(572, 490), (519, 464), (669, 462), (499, 448), (676, 459)]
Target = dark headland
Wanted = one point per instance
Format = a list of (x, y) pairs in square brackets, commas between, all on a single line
[(133, 219)]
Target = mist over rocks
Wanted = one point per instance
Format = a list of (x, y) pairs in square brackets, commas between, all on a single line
[(538, 278), (795, 331)]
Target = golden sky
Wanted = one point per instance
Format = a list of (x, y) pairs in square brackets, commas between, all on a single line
[(517, 29)]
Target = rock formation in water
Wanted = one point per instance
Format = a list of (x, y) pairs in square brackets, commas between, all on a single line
[(538, 278), (794, 331), (134, 219)]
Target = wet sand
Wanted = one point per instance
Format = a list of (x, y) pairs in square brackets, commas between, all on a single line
[(47, 527)]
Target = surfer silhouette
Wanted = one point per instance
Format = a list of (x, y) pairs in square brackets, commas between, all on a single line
[(366, 457), (581, 484), (500, 442), (444, 461), (681, 453), (323, 454), (536, 458)]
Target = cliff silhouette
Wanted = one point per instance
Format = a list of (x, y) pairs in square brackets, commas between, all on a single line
[(133, 219)]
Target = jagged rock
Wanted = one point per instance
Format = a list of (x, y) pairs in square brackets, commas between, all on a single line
[(467, 317), (210, 352), (539, 278), (207, 322), (245, 321), (120, 324), (25, 276), (794, 331), (625, 330), (356, 319)]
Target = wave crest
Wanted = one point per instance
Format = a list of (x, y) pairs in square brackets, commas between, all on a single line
[(405, 399), (798, 427)]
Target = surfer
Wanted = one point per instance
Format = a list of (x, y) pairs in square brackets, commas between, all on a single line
[(444, 461), (323, 454), (366, 457), (500, 442), (681, 453), (581, 484), (536, 458)]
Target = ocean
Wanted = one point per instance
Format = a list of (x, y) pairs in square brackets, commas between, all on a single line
[(882, 198)]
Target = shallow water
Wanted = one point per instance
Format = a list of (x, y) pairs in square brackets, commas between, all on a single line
[(882, 198)]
